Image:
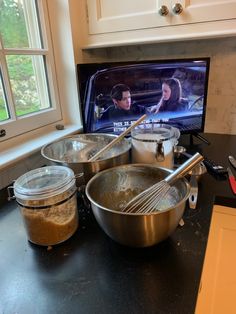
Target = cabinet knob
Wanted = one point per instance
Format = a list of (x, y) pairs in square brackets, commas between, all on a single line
[(163, 11), (177, 8)]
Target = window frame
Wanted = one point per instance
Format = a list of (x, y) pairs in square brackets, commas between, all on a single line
[(15, 126)]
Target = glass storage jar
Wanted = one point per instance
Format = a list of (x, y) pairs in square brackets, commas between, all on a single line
[(47, 199), (153, 143)]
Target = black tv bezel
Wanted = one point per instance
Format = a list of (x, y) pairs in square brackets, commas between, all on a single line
[(104, 65)]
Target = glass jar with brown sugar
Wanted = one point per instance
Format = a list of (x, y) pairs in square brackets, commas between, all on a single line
[(47, 199)]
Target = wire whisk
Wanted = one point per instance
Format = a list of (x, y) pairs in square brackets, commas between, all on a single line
[(148, 200)]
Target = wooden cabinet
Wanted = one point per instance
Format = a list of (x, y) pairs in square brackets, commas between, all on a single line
[(114, 16), (113, 23), (217, 291)]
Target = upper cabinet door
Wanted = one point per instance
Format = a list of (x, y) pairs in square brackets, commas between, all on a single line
[(198, 11), (123, 15), (107, 16)]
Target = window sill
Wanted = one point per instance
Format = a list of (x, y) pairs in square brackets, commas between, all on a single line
[(19, 148)]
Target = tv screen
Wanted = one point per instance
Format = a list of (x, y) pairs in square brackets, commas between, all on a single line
[(114, 95)]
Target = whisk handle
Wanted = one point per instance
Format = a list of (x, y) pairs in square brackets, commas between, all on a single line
[(184, 169)]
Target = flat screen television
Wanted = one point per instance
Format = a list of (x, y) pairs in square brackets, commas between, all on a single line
[(147, 81)]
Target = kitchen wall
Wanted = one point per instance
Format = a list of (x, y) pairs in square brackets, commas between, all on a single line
[(221, 102)]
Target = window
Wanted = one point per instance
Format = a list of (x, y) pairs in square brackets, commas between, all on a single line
[(28, 93)]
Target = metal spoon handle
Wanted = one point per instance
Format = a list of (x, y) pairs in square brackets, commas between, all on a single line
[(184, 168)]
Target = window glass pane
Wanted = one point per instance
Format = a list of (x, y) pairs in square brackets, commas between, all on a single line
[(3, 106), (19, 24), (29, 83)]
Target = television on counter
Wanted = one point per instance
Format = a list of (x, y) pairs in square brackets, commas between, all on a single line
[(147, 83)]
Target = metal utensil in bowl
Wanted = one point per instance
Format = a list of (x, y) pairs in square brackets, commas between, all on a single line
[(152, 198), (109, 190), (75, 151), (117, 139)]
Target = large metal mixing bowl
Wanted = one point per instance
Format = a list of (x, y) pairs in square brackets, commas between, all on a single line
[(75, 151), (111, 188)]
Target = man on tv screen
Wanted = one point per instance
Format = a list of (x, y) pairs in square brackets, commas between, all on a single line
[(122, 107)]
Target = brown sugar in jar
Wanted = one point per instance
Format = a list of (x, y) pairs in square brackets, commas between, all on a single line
[(48, 202)]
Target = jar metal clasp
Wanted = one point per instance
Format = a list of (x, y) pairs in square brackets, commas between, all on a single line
[(10, 192), (159, 155)]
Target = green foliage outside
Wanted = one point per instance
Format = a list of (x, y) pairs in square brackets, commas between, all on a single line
[(12, 24), (14, 35)]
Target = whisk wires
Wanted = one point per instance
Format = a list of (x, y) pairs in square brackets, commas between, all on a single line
[(148, 200)]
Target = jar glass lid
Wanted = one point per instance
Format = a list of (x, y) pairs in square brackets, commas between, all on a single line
[(43, 180), (154, 132)]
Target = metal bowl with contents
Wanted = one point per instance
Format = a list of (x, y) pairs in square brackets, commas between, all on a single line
[(109, 190), (74, 152)]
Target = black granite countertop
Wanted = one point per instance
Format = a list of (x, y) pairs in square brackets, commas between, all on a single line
[(90, 273)]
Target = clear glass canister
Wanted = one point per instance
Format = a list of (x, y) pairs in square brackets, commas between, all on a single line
[(47, 199), (153, 143)]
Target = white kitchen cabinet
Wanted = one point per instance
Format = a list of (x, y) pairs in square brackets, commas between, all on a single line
[(217, 291), (114, 16), (112, 22)]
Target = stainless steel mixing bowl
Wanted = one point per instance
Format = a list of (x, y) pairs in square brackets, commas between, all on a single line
[(111, 188), (74, 152)]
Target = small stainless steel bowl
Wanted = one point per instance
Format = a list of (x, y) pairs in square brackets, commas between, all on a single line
[(198, 170), (74, 152), (179, 150), (109, 187)]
